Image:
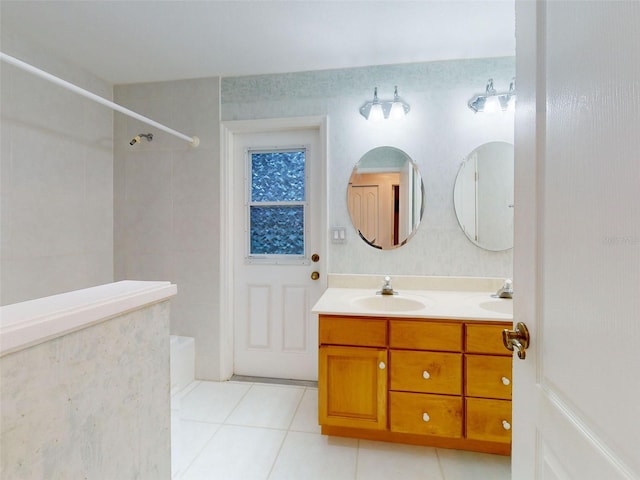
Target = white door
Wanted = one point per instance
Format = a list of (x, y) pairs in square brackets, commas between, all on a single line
[(576, 411), (278, 246)]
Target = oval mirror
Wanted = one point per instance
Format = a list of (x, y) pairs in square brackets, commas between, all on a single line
[(385, 198), (483, 196)]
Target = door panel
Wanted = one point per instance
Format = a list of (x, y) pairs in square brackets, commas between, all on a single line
[(577, 266)]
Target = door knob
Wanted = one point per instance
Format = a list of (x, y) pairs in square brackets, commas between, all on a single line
[(315, 275), (517, 340)]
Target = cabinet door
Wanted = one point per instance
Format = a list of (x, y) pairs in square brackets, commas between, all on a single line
[(352, 387)]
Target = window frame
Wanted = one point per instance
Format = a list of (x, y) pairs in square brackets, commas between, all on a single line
[(275, 259)]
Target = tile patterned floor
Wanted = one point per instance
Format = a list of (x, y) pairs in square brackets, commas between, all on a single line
[(246, 431)]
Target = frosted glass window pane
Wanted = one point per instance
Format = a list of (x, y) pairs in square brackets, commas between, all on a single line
[(277, 176), (277, 230)]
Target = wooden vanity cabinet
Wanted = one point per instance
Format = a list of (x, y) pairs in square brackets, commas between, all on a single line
[(443, 383)]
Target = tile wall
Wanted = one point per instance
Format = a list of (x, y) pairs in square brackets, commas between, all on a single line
[(167, 206), (56, 193)]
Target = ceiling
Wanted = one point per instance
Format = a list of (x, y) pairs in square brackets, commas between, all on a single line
[(150, 40)]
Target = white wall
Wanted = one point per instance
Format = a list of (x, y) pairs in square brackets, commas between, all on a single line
[(56, 194), (438, 133), (167, 206)]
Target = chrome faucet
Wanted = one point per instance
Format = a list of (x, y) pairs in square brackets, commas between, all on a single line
[(387, 289), (506, 291)]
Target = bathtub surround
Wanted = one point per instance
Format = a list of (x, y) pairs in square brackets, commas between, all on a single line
[(56, 194), (183, 362), (92, 402), (167, 207)]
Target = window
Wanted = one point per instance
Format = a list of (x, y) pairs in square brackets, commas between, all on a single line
[(277, 205)]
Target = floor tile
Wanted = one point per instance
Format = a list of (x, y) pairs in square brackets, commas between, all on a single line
[(270, 406), (385, 461), (310, 456), (253, 431), (237, 453), (212, 401), (306, 417), (461, 465), (188, 438)]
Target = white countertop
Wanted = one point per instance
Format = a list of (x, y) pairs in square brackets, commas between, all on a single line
[(457, 305), (35, 321)]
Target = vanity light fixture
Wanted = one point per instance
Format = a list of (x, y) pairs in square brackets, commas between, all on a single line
[(382, 109), (492, 101)]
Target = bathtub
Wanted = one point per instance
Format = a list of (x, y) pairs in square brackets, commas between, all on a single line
[(182, 362)]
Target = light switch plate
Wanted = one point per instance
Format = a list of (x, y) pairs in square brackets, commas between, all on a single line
[(338, 235)]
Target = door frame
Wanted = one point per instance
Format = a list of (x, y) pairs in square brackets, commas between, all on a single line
[(228, 134)]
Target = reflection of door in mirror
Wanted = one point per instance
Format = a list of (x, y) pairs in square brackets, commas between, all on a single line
[(483, 196), (466, 199), (375, 208), (363, 208)]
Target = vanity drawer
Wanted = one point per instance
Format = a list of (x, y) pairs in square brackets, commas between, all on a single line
[(424, 414), (488, 420), (486, 339), (366, 332), (424, 335), (428, 372), (488, 376)]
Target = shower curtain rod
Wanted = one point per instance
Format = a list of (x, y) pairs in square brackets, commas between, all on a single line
[(194, 141)]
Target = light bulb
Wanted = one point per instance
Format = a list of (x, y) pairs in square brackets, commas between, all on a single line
[(492, 104), (376, 114), (397, 111)]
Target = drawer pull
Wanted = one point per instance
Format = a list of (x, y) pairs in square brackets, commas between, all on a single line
[(506, 425), (381, 365), (425, 417), (426, 375), (506, 381)]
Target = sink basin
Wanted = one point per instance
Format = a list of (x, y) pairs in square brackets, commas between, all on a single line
[(390, 303), (498, 306)]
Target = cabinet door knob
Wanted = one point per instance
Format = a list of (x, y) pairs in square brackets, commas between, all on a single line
[(505, 381), (506, 425), (425, 417), (381, 365), (426, 375)]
